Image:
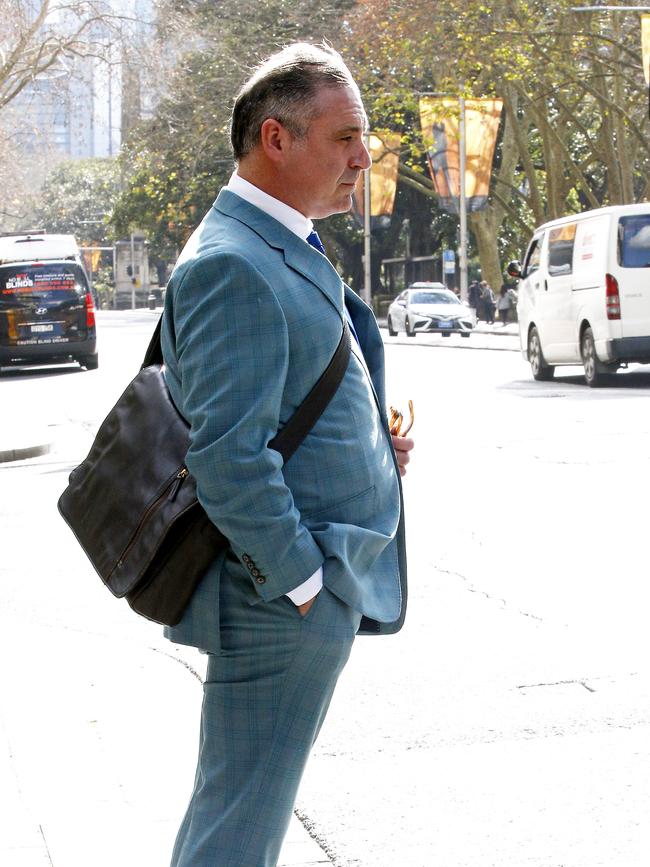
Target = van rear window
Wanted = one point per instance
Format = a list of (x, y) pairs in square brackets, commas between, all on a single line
[(23, 284), (634, 241)]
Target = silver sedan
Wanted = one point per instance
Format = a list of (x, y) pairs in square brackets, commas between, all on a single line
[(429, 307)]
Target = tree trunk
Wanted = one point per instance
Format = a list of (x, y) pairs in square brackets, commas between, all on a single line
[(485, 232)]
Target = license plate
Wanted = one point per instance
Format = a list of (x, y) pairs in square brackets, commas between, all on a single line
[(446, 324), (39, 329)]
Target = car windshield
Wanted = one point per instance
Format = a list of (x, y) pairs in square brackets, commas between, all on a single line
[(421, 297), (634, 241), (55, 284)]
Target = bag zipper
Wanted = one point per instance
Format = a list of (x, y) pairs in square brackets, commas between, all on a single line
[(169, 492)]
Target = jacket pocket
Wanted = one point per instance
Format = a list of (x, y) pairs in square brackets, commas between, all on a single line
[(348, 510)]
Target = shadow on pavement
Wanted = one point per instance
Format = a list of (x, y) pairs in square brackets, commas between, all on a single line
[(32, 373)]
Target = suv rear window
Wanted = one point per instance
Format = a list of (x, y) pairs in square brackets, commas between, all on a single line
[(634, 241), (54, 283)]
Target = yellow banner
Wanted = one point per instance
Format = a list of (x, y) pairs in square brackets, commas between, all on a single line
[(440, 119), (384, 150), (645, 46), (91, 259)]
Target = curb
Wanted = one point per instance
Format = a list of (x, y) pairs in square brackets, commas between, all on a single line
[(478, 330), (9, 455)]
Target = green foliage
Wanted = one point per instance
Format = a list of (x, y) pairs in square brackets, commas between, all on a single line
[(177, 162), (573, 133), (78, 197)]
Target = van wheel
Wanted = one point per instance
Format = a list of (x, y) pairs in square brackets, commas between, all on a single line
[(391, 330), (596, 373), (542, 371), (410, 332), (90, 362)]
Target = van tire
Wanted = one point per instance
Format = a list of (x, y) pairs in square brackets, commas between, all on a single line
[(542, 371), (596, 373)]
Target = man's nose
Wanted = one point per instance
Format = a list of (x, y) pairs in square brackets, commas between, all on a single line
[(362, 159)]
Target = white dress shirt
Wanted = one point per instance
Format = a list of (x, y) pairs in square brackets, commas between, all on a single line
[(300, 226)]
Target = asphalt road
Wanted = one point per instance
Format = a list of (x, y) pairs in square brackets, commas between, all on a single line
[(506, 725)]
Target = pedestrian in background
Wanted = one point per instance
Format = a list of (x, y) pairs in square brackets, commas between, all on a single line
[(473, 297), (507, 301), (253, 314), (487, 297)]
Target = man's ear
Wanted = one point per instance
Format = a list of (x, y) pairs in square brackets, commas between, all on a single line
[(275, 140)]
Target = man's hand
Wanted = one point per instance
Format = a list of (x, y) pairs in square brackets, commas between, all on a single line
[(304, 608), (402, 446)]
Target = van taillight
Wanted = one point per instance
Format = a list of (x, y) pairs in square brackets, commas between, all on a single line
[(612, 300), (90, 311)]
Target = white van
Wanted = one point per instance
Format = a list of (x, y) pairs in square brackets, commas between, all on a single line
[(584, 295)]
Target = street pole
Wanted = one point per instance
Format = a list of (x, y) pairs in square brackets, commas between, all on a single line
[(132, 272), (367, 288), (463, 203)]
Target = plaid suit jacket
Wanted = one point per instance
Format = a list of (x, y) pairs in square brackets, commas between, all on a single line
[(252, 317)]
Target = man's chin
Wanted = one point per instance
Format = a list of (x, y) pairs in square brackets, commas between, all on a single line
[(341, 207)]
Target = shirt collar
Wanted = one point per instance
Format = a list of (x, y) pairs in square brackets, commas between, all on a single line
[(289, 217)]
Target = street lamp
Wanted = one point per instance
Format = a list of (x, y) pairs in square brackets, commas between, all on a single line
[(367, 277)]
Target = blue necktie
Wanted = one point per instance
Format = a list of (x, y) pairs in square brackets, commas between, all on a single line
[(314, 241)]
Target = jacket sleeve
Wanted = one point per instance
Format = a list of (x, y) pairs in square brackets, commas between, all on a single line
[(232, 352)]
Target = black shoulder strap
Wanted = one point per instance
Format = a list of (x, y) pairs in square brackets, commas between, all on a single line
[(154, 355), (310, 410)]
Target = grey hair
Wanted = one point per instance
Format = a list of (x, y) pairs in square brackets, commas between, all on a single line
[(284, 87)]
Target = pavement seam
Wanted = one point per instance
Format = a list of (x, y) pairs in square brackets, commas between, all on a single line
[(471, 589), (47, 848), (310, 827), (180, 660)]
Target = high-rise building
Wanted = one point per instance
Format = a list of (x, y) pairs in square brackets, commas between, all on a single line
[(82, 106)]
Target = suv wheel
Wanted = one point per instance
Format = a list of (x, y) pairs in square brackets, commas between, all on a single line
[(90, 362)]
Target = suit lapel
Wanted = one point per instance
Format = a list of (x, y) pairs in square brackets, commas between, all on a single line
[(298, 255), (316, 268), (371, 344)]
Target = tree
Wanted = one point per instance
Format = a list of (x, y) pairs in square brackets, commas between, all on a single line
[(78, 198), (36, 36), (176, 162), (574, 105)]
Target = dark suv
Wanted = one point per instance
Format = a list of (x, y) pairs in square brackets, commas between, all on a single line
[(46, 314)]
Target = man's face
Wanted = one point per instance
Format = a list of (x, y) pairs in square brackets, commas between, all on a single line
[(322, 168)]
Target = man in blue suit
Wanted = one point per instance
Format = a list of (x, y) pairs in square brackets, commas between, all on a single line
[(253, 314)]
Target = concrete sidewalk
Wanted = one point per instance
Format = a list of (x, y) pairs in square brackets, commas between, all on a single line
[(75, 784), (24, 437), (79, 785)]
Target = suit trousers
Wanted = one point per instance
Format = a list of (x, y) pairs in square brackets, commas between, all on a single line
[(266, 694)]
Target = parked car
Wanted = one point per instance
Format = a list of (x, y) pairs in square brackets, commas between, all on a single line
[(584, 292), (429, 307), (46, 314)]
